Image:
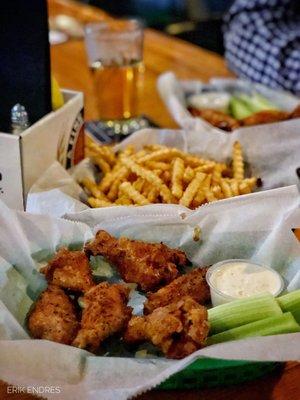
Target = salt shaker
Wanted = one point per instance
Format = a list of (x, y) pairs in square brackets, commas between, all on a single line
[(19, 119)]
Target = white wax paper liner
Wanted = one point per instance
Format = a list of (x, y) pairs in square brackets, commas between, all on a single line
[(80, 375)]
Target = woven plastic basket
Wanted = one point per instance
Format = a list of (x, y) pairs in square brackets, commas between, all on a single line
[(208, 372)]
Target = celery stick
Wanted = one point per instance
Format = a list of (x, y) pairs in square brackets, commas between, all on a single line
[(239, 109), (263, 102), (241, 312), (257, 103), (250, 103), (291, 302), (284, 323)]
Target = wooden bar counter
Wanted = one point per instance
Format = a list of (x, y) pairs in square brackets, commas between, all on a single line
[(162, 53)]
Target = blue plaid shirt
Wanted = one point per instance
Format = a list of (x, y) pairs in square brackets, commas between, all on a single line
[(262, 42)]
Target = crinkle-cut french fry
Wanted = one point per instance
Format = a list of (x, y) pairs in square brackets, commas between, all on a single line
[(88, 140), (90, 144), (144, 173), (126, 201), (158, 165), (138, 184), (199, 199), (112, 195), (150, 177), (177, 178), (217, 191), (217, 174), (93, 202), (209, 167), (166, 177), (101, 163), (94, 189), (164, 190), (109, 155), (188, 175), (90, 153), (129, 150), (166, 194), (106, 181), (192, 189), (193, 161), (153, 147), (244, 188), (237, 161), (139, 155), (123, 200), (133, 194), (225, 188), (222, 166), (152, 195), (119, 172), (252, 182), (146, 189), (89, 185), (102, 152), (209, 195), (105, 151), (234, 186), (206, 182), (103, 159), (158, 172), (161, 154)]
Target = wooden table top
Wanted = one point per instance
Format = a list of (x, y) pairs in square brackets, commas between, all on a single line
[(162, 53)]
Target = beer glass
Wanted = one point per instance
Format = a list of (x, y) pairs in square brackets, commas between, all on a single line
[(115, 56)]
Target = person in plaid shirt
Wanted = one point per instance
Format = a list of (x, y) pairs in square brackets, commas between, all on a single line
[(262, 42)]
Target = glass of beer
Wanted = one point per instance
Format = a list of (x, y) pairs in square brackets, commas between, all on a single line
[(115, 56)]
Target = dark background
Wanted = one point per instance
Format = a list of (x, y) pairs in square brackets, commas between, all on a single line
[(197, 21), (24, 74)]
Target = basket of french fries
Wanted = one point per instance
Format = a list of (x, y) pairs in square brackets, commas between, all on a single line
[(161, 174), (226, 105), (178, 167)]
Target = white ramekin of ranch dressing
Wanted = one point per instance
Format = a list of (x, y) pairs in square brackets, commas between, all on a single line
[(218, 101), (237, 279)]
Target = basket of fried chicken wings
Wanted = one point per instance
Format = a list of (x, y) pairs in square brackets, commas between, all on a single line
[(119, 302)]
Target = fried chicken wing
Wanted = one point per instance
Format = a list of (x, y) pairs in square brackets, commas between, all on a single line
[(69, 270), (216, 118), (192, 284), (265, 117), (53, 317), (295, 113), (105, 313), (150, 265), (178, 329)]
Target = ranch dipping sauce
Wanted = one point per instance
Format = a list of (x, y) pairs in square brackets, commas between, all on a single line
[(237, 279), (218, 101)]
